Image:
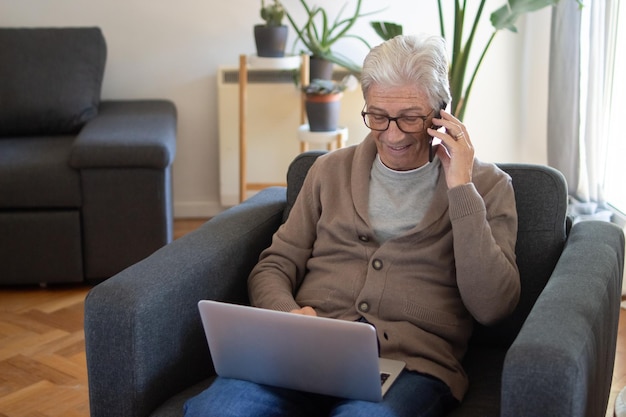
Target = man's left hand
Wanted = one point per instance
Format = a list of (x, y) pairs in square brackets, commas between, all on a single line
[(456, 151)]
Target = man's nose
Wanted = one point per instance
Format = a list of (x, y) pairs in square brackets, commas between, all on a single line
[(393, 132)]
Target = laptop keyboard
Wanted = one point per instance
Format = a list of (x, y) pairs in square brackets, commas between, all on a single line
[(383, 377)]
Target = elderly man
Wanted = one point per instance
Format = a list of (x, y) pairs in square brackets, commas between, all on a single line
[(415, 239)]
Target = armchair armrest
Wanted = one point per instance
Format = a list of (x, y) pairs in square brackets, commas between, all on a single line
[(131, 133), (143, 335), (561, 363)]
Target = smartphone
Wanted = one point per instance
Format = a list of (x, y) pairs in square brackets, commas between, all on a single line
[(432, 149)]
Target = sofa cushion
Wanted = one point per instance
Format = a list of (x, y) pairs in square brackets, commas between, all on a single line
[(50, 79), (34, 173)]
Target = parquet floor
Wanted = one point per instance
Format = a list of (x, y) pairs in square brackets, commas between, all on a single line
[(42, 356)]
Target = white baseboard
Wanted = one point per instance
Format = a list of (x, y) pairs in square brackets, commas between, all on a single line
[(197, 209)]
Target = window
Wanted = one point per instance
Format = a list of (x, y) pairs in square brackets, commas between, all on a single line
[(614, 176)]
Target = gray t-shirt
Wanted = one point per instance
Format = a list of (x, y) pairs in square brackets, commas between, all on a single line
[(399, 199)]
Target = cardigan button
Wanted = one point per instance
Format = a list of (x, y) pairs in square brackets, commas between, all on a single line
[(364, 307), (377, 264), (364, 238)]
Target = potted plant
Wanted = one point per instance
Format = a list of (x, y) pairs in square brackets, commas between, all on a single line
[(502, 18), (271, 37), (319, 35), (323, 102)]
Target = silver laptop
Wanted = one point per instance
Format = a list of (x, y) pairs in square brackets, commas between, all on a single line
[(312, 354)]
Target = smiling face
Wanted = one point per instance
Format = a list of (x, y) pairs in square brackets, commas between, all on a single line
[(398, 150)]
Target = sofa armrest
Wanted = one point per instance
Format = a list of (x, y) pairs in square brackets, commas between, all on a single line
[(143, 334), (131, 133), (561, 363)]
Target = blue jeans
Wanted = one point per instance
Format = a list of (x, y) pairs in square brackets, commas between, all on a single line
[(411, 395)]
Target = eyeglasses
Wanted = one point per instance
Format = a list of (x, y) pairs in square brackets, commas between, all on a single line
[(407, 124)]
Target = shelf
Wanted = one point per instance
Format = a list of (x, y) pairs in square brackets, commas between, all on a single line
[(254, 62), (333, 139), (287, 62)]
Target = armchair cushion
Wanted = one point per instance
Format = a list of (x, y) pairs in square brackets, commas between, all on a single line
[(51, 79), (541, 199)]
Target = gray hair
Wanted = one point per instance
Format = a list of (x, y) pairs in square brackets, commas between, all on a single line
[(410, 60)]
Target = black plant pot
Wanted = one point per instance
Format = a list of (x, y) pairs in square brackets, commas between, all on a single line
[(322, 112), (320, 68), (270, 40)]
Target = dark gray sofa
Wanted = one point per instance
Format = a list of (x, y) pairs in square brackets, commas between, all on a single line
[(146, 351), (85, 184)]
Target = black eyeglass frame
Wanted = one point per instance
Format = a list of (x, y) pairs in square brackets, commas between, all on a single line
[(364, 114)]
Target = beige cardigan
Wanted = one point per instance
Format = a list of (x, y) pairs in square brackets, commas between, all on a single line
[(420, 290)]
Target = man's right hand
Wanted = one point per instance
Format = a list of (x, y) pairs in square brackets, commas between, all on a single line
[(305, 311)]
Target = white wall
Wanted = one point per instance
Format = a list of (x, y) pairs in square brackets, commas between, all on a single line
[(172, 49)]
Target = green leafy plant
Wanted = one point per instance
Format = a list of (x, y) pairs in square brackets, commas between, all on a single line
[(273, 13), (386, 30), (504, 17), (319, 34)]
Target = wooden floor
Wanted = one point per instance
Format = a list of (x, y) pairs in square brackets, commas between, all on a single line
[(42, 355)]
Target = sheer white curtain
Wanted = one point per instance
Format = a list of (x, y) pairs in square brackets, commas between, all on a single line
[(581, 84), (615, 169)]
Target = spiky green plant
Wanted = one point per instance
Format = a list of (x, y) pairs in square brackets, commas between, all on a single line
[(319, 35), (504, 17)]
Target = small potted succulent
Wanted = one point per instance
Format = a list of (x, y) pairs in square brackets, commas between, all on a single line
[(271, 37), (323, 102)]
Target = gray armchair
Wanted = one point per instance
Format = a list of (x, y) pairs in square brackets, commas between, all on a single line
[(85, 184), (146, 351)]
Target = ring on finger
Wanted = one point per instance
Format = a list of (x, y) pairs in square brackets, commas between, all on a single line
[(459, 135)]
